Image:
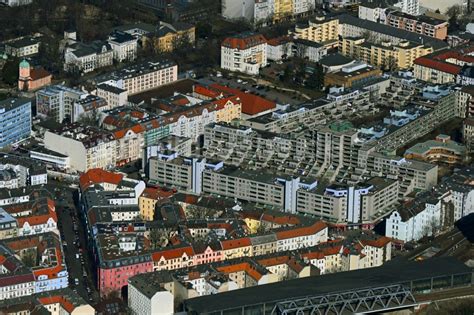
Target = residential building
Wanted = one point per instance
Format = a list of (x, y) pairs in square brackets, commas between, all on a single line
[(374, 10), (15, 118), (86, 147), (32, 78), (320, 29), (309, 50), (465, 101), (466, 75), (148, 201), (420, 24), (420, 218), (443, 66), (409, 6), (169, 36), (147, 295), (21, 172), (142, 77), (468, 133), (440, 150), (22, 47), (279, 48), (354, 75), (8, 225), (263, 11), (57, 102), (124, 46), (282, 9), (113, 95), (458, 190), (384, 55), (245, 53), (350, 26), (89, 108)]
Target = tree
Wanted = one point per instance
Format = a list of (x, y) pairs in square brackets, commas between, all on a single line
[(316, 79), (158, 238), (10, 71)]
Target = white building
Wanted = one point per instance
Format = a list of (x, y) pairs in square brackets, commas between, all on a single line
[(14, 3), (124, 46), (263, 11), (279, 48), (22, 47), (86, 58), (372, 11), (408, 224), (236, 9), (303, 6), (145, 298), (409, 6), (57, 102), (86, 147), (246, 53), (114, 96)]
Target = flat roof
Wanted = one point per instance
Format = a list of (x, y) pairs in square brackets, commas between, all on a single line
[(391, 273)]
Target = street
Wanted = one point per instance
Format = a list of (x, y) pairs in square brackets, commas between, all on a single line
[(78, 259)]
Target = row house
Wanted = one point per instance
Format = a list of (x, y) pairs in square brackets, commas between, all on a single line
[(175, 258)]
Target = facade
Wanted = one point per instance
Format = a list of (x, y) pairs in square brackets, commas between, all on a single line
[(84, 58), (310, 50), (57, 102), (31, 79), (113, 96), (124, 46), (142, 77), (319, 29), (168, 36), (468, 133), (411, 223), (86, 147), (384, 55), (419, 24), (15, 118), (90, 108), (444, 66), (279, 48), (246, 53), (22, 47)]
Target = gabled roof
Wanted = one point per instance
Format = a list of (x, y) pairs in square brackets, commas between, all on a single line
[(172, 253), (301, 231)]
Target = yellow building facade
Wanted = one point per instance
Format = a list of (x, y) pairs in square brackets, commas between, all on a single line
[(385, 54), (320, 29)]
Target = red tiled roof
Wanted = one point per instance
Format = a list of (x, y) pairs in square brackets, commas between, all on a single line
[(39, 73), (243, 266), (438, 65), (98, 176), (251, 104), (236, 243), (57, 299), (202, 90), (244, 42), (172, 253), (379, 242), (156, 193)]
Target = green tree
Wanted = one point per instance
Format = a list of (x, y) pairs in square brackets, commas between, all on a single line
[(316, 79)]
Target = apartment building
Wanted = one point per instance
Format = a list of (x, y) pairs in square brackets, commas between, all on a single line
[(443, 66), (320, 29), (341, 203), (245, 53), (113, 95), (282, 8), (22, 47), (384, 55), (350, 26), (421, 218), (89, 108), (142, 77), (421, 24), (15, 119), (468, 133), (57, 102), (86, 147)]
